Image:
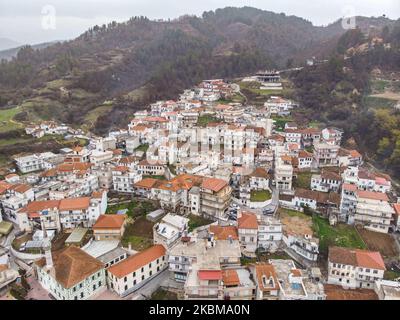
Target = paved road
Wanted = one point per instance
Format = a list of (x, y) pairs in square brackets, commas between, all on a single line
[(147, 290), (273, 206)]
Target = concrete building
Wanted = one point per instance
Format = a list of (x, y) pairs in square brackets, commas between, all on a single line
[(354, 268), (132, 273)]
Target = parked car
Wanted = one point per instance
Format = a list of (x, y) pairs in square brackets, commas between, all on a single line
[(268, 211)]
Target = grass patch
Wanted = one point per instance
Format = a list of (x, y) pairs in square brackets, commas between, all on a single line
[(92, 115), (197, 221), (161, 294), (203, 120), (142, 147), (303, 180), (139, 234), (260, 195), (264, 257), (380, 85), (6, 119), (293, 213), (135, 208), (342, 235), (244, 261), (137, 243), (280, 122), (391, 275), (377, 102)]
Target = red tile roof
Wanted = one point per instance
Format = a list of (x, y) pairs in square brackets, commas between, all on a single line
[(230, 277), (356, 257), (223, 233), (214, 184), (210, 274), (248, 221), (372, 195), (110, 221), (73, 265), (137, 261), (74, 204)]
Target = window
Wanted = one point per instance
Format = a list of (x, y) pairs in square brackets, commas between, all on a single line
[(150, 273), (143, 277), (134, 282), (81, 294), (126, 287), (142, 269), (134, 274), (125, 279)]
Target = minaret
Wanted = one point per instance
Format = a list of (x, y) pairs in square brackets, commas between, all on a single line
[(47, 248)]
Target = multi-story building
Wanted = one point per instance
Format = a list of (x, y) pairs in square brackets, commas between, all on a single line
[(134, 272), (71, 274), (248, 231), (348, 203), (283, 174), (354, 268), (215, 197), (326, 181), (296, 284), (124, 179), (34, 162), (238, 284), (326, 155), (269, 233), (267, 284), (109, 227), (14, 198), (208, 251), (62, 214), (373, 211), (169, 230)]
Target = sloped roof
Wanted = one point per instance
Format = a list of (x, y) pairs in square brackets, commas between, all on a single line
[(110, 221), (356, 257), (247, 221), (73, 265), (137, 261)]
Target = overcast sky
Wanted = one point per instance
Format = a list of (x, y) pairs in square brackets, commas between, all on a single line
[(23, 21)]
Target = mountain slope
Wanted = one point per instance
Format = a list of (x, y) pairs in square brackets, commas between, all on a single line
[(119, 67)]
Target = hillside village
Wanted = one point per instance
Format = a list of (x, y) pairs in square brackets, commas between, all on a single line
[(202, 197)]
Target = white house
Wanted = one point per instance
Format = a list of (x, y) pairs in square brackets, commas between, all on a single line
[(354, 268), (71, 275), (132, 273), (169, 230)]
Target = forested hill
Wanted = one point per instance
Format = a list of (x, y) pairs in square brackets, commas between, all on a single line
[(358, 90), (139, 61)]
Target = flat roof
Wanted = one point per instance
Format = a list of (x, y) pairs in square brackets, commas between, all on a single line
[(99, 248), (5, 227), (77, 235), (111, 255)]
